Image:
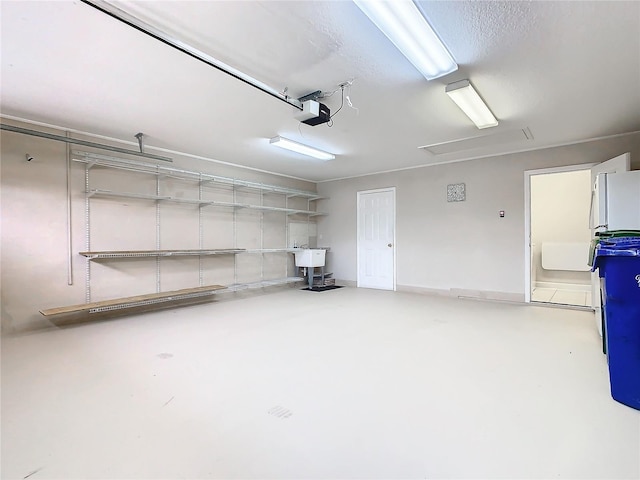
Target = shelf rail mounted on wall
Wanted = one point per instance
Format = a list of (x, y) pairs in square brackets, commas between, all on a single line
[(92, 160), (84, 143)]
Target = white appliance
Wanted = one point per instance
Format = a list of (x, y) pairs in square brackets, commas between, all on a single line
[(617, 205)]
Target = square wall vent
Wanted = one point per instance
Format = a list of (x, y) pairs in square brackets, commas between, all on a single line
[(498, 138)]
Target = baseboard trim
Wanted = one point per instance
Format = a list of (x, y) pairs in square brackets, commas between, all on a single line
[(465, 293), (423, 290)]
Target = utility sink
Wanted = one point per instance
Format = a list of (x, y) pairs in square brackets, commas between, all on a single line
[(310, 257)]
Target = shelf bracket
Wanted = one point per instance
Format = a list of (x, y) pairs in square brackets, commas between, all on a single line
[(140, 136)]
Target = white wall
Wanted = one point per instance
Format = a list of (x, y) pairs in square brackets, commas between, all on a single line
[(446, 247), (560, 213), (34, 230), (455, 248)]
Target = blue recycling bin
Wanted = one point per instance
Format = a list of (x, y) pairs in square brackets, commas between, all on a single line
[(618, 263)]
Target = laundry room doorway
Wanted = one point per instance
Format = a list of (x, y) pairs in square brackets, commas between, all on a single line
[(558, 235)]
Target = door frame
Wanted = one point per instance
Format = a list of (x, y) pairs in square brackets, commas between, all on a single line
[(359, 195), (527, 215)]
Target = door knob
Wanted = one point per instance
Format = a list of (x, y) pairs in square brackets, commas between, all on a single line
[(389, 245)]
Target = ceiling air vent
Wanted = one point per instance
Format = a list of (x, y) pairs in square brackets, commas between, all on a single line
[(498, 138)]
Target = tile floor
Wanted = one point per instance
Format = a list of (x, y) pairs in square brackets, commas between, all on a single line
[(344, 384), (562, 297)]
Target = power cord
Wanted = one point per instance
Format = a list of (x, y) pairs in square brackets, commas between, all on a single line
[(330, 122)]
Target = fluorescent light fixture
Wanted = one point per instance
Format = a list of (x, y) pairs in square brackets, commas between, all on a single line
[(403, 23), (471, 104), (301, 148)]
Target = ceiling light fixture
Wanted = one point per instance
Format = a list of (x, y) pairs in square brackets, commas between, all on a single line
[(471, 104), (301, 148), (407, 28)]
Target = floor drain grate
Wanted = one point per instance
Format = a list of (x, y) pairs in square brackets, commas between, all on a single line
[(280, 412)]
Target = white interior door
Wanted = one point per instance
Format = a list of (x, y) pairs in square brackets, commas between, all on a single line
[(376, 239), (621, 163)]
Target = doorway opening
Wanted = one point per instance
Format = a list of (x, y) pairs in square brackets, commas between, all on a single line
[(559, 235)]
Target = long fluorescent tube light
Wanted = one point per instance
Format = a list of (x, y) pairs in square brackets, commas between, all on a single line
[(301, 148), (403, 23), (471, 104)]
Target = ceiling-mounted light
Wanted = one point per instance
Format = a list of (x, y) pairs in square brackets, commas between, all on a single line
[(403, 23), (301, 148), (471, 104)]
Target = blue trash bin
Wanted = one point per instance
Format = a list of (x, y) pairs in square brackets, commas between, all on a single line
[(618, 262)]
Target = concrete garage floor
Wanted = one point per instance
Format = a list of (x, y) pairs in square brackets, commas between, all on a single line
[(348, 383)]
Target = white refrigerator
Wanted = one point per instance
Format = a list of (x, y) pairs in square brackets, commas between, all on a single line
[(617, 205)]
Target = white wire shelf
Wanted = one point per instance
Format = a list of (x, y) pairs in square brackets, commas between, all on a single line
[(159, 253), (180, 253), (217, 187), (99, 160), (270, 250), (135, 301), (262, 284), (214, 203)]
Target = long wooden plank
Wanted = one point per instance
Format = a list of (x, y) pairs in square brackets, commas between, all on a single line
[(125, 300)]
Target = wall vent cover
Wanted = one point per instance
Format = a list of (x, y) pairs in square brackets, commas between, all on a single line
[(498, 138)]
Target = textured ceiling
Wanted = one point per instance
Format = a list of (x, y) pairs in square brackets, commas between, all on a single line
[(569, 71)]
